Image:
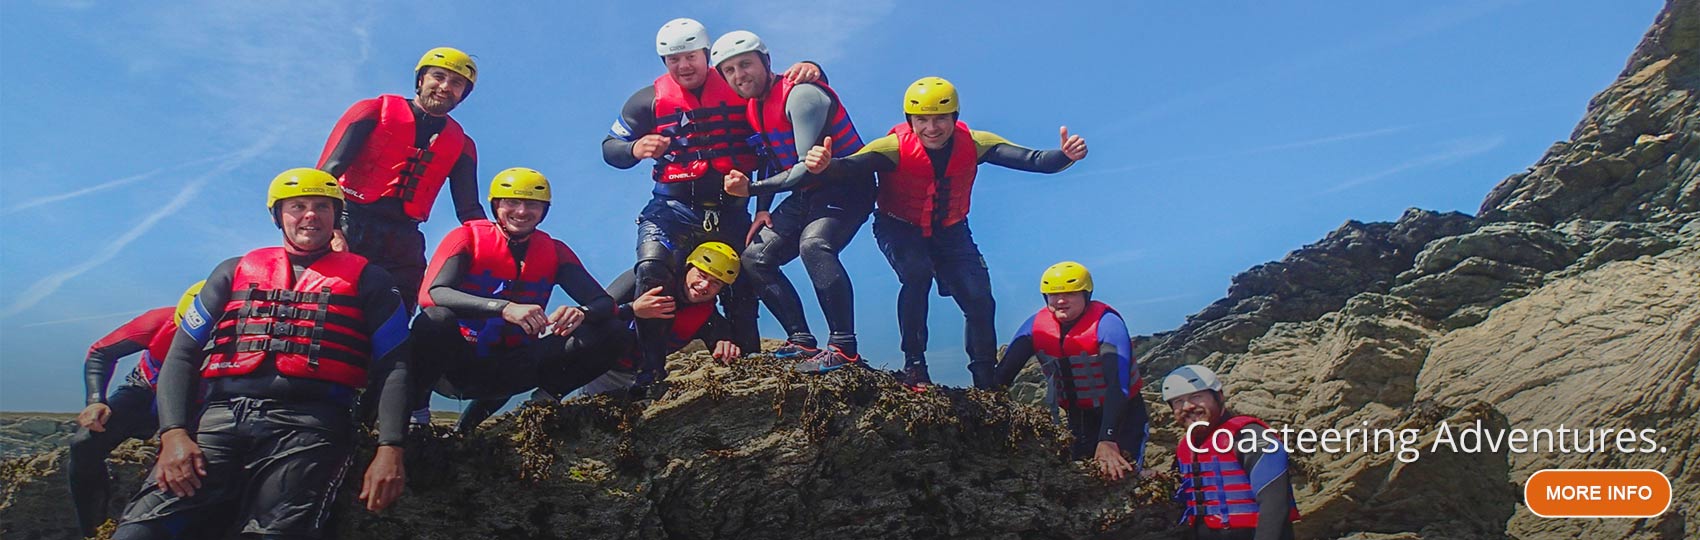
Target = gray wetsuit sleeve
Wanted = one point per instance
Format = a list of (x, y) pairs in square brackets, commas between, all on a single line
[(808, 107)]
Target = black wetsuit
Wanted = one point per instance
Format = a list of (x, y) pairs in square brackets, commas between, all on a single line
[(132, 415), (679, 216), (382, 231), (276, 446), (454, 367), (816, 221)]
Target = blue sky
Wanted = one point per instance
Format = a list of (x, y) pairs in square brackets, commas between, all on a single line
[(136, 139)]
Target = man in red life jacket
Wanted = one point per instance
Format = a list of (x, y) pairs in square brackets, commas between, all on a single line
[(128, 413), (282, 341), (1233, 488), (821, 214), (709, 268), (393, 155), (486, 302), (1087, 356), (926, 168), (691, 123)]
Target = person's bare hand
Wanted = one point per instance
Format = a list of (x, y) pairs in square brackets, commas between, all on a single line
[(652, 304)]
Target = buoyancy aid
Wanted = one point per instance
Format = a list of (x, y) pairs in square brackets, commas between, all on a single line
[(1072, 359), (778, 139), (1229, 493), (910, 192), (707, 132), (494, 273), (309, 326), (389, 165)]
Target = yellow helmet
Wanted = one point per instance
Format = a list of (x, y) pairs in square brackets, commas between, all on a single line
[(717, 259), (302, 182), (188, 300), (1065, 277), (520, 183), (930, 95), (451, 59)]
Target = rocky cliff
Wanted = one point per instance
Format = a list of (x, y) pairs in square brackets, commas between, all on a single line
[(1570, 299)]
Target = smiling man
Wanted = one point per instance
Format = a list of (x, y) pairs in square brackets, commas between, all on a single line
[(487, 302), (691, 123), (394, 154), (1234, 488), (819, 217), (926, 169), (296, 332), (1084, 349), (710, 267)]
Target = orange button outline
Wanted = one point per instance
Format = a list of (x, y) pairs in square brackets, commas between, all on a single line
[(1669, 488)]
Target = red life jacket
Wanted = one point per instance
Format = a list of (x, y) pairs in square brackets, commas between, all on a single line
[(687, 323), (1080, 374), (779, 140), (154, 356), (710, 131), (495, 274), (1230, 499), (390, 166), (309, 326), (910, 193)]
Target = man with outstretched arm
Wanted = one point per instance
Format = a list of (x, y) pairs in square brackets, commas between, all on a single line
[(926, 168)]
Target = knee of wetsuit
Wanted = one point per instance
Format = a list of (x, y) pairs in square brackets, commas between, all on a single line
[(815, 246), (83, 442), (654, 266)]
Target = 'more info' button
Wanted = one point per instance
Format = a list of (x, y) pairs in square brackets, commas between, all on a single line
[(1597, 493)]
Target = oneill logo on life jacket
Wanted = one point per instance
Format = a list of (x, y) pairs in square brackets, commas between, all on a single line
[(708, 131), (309, 326), (910, 193), (389, 165)]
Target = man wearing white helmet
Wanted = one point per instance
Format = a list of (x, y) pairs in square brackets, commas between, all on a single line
[(1087, 356), (1230, 492), (692, 124), (819, 217)]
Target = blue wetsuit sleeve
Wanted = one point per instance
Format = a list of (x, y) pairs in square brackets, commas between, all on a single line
[(1116, 349), (180, 372), (1266, 465)]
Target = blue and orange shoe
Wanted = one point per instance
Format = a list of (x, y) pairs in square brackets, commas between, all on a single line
[(915, 378), (829, 359), (793, 350)]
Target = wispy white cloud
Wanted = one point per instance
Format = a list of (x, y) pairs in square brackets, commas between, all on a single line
[(1452, 151), (113, 315), (821, 31), (103, 186), (46, 286)]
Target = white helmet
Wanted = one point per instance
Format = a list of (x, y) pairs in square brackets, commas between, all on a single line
[(733, 44), (1188, 379), (680, 35)]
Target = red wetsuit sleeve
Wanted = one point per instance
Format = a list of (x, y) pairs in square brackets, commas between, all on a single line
[(437, 276), (349, 136), (130, 338)]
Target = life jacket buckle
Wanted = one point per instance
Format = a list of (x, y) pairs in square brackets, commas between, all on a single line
[(710, 220)]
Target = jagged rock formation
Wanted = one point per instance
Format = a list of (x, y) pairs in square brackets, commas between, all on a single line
[(1570, 299)]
